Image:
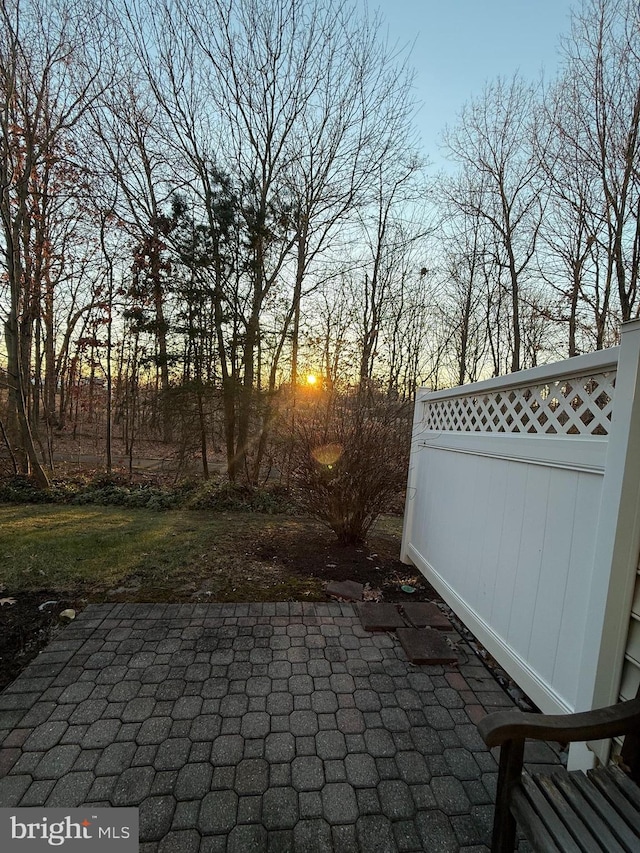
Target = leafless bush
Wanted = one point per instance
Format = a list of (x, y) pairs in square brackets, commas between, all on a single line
[(351, 462)]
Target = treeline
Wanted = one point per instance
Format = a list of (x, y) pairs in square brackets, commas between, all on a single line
[(205, 196), (204, 202), (540, 222)]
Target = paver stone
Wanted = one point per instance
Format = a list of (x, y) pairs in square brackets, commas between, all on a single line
[(339, 803), (218, 812), (156, 814), (426, 646)]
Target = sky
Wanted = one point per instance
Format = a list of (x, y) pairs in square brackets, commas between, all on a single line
[(460, 44)]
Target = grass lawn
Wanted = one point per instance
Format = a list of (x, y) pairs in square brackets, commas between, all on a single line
[(114, 554)]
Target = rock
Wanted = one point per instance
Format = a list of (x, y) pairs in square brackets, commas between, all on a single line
[(426, 646), (380, 617), (349, 590)]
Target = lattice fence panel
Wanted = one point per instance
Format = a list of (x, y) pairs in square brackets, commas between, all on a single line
[(581, 405)]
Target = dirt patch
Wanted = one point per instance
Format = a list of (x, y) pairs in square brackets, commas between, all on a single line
[(26, 626), (317, 554)]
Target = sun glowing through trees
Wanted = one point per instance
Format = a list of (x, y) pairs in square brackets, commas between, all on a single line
[(312, 379)]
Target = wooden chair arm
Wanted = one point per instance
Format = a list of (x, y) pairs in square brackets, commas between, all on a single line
[(601, 723)]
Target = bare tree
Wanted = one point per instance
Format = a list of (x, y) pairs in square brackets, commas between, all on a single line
[(600, 123), (49, 69), (130, 135), (298, 106), (573, 229), (492, 145), (467, 302), (387, 240)]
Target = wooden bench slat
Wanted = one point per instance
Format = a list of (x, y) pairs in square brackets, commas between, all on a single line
[(531, 823), (608, 788), (591, 818), (626, 785), (612, 817), (555, 813), (572, 820)]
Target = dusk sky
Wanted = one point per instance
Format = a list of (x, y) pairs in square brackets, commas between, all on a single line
[(460, 44)]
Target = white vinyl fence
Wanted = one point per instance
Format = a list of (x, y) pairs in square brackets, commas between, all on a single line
[(515, 494)]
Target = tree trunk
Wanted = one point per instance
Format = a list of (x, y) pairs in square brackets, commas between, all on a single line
[(25, 451), (246, 391)]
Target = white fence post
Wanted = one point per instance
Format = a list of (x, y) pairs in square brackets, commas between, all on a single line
[(412, 477), (617, 546)]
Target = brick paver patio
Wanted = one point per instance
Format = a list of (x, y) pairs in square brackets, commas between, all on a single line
[(254, 727)]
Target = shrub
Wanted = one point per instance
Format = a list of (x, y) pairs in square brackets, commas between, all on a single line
[(215, 495), (351, 463), (273, 500), (108, 492), (234, 497), (20, 489), (103, 490)]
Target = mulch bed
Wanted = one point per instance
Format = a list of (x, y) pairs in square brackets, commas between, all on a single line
[(318, 554), (25, 628)]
